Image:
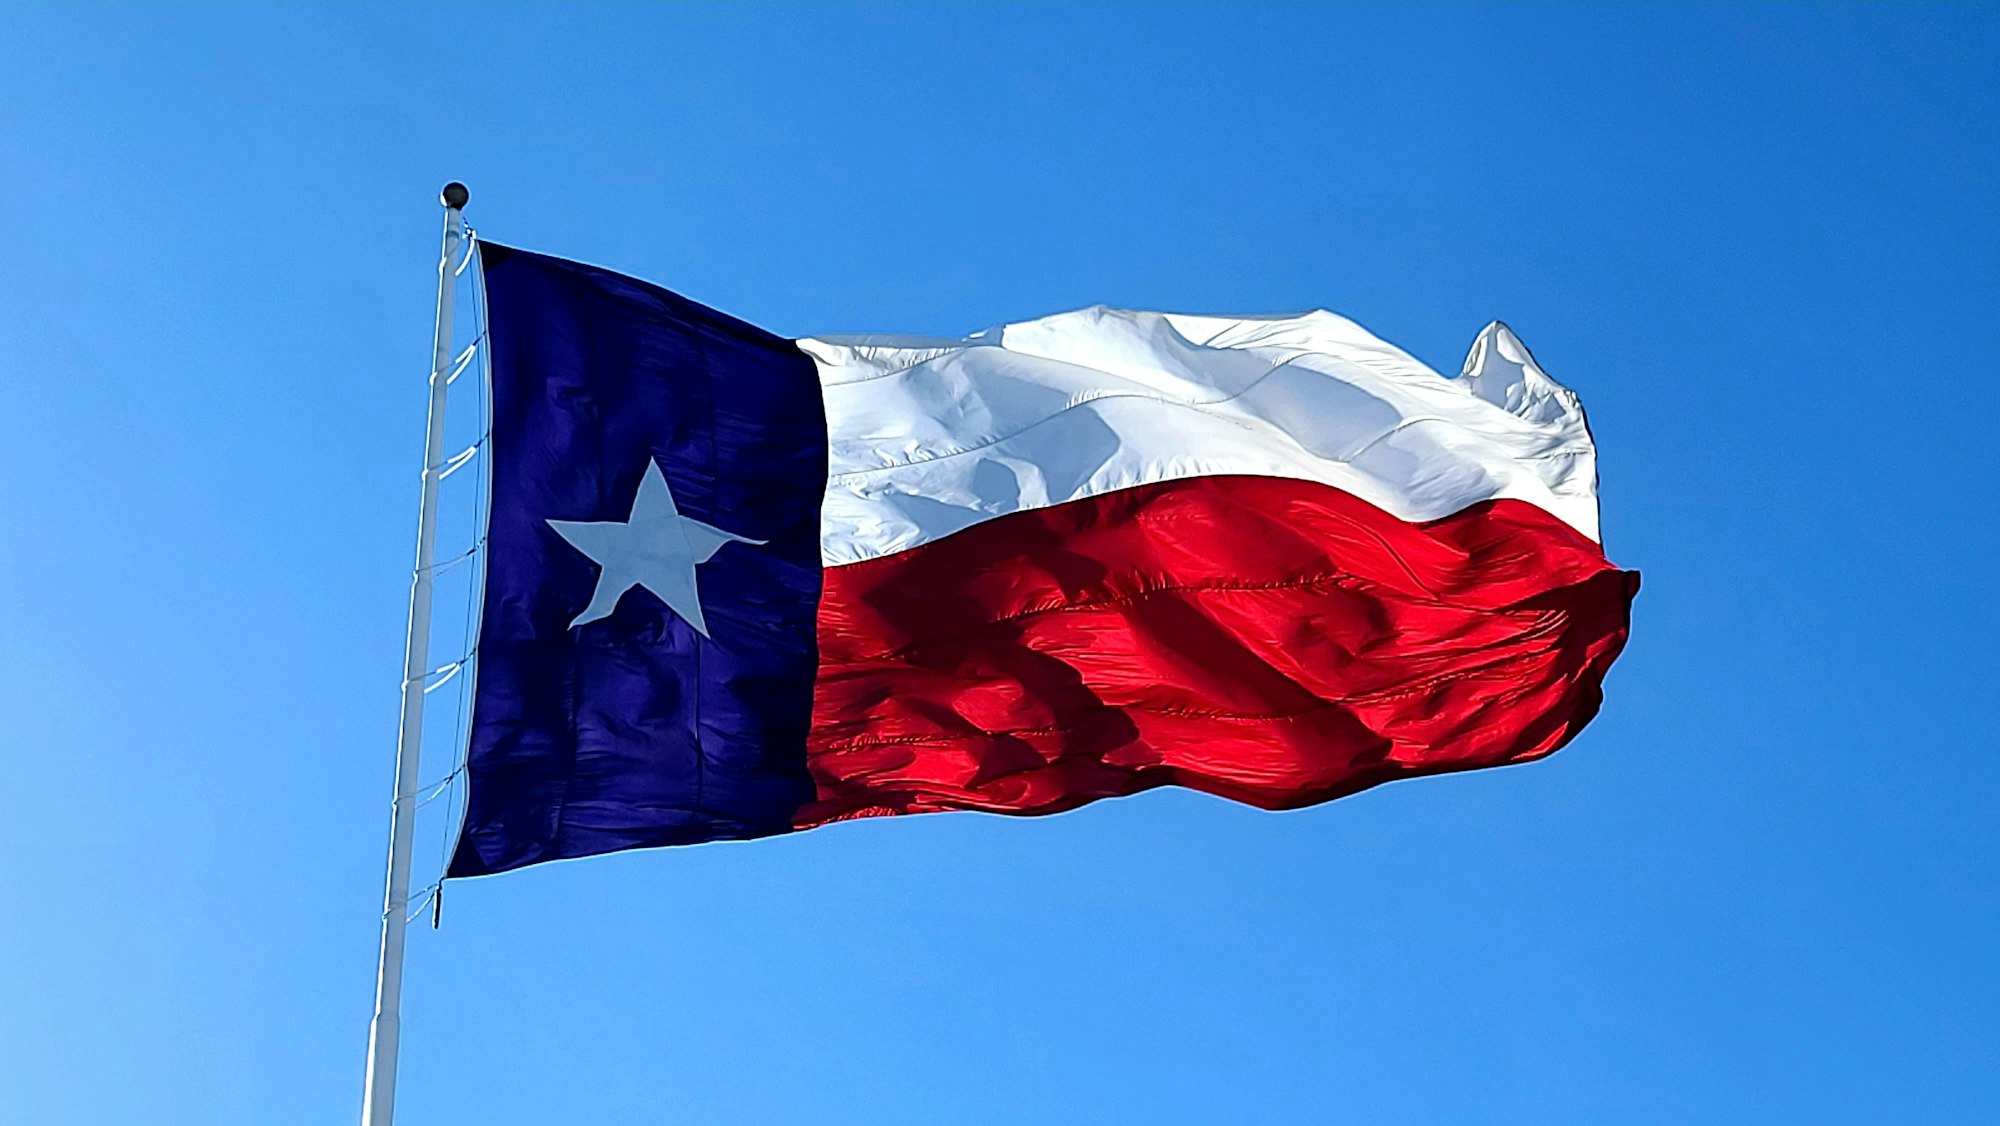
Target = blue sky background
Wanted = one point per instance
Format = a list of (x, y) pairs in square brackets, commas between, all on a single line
[(1762, 244)]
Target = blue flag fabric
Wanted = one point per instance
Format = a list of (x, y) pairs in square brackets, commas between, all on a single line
[(647, 648)]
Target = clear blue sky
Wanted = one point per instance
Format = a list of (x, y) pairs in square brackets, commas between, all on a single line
[(1762, 243)]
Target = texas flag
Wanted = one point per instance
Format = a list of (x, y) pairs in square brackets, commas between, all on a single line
[(739, 585)]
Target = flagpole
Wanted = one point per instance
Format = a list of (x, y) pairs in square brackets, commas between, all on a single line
[(378, 1099)]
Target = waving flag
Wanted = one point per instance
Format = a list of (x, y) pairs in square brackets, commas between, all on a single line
[(740, 585)]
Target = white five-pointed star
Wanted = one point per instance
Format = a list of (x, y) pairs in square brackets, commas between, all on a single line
[(655, 547)]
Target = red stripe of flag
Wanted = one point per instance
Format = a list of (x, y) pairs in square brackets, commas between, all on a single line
[(1274, 641)]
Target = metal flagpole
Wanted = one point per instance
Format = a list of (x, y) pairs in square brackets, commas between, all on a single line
[(378, 1100)]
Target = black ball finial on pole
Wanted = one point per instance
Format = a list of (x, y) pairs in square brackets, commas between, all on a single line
[(454, 195)]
